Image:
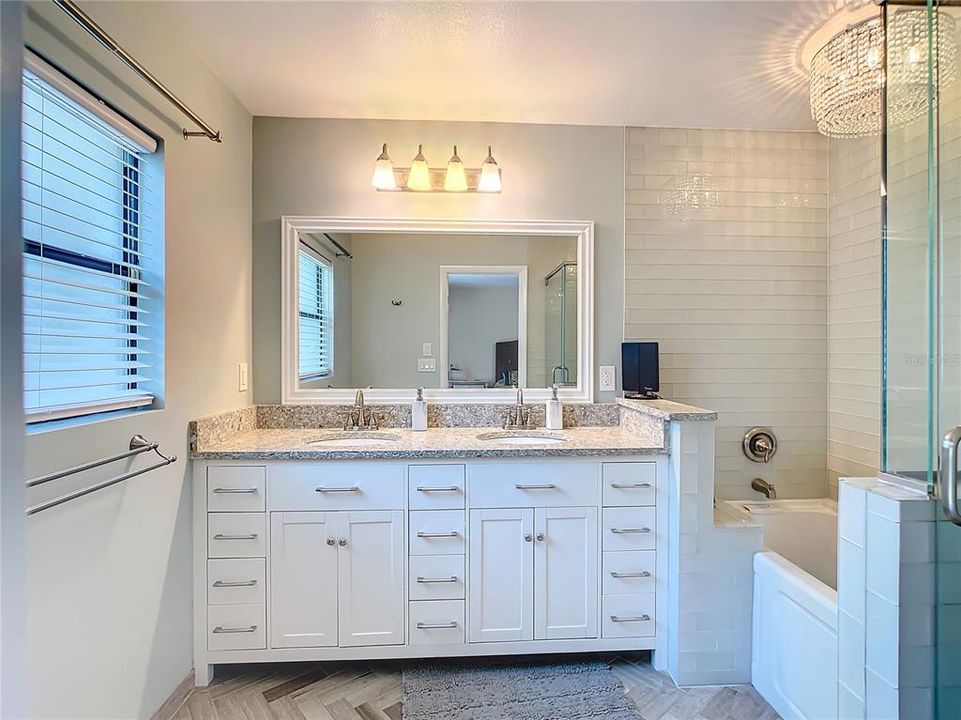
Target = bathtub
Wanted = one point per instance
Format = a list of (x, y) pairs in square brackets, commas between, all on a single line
[(794, 661)]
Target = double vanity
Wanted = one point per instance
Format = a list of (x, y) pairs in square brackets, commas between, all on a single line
[(312, 543)]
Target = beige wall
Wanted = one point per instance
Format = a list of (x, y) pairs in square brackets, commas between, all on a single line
[(737, 297), (480, 317), (110, 576), (854, 309), (323, 167)]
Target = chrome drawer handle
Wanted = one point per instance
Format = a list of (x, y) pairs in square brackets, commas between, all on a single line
[(631, 531), (446, 488), (437, 626), (427, 580), (549, 486), (630, 618), (221, 630), (352, 488), (219, 536), (451, 534), (630, 486), (229, 583), (642, 574), (235, 491)]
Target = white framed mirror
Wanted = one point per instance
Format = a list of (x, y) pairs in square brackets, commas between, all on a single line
[(469, 310)]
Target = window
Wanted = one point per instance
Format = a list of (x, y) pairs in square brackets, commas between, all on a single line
[(316, 318), (89, 295)]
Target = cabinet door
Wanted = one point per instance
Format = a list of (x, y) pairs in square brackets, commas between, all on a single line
[(303, 579), (371, 578), (565, 573), (501, 575)]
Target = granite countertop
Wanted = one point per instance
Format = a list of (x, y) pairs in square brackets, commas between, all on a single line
[(668, 409), (450, 442)]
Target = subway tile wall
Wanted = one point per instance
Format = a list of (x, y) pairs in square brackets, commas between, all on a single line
[(737, 294)]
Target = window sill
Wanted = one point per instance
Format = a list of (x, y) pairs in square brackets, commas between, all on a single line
[(50, 426)]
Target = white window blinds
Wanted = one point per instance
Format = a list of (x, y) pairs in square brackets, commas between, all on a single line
[(316, 319), (87, 324)]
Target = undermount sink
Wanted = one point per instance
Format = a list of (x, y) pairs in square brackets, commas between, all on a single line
[(524, 437), (355, 439)]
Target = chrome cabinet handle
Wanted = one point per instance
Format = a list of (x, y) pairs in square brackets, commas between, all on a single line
[(631, 531), (428, 580), (445, 488), (331, 541), (220, 630), (642, 574), (352, 488), (528, 537), (549, 486), (948, 476), (437, 626), (235, 491), (630, 618), (540, 537), (342, 542), (451, 534), (231, 583), (220, 536), (630, 486)]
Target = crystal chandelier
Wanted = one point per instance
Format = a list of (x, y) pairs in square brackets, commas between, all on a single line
[(847, 74)]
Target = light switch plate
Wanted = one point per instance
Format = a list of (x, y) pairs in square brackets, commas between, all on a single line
[(427, 350), (426, 365), (243, 381), (608, 377)]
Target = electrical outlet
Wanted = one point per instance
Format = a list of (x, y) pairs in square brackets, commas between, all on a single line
[(426, 365), (427, 350), (608, 377), (243, 381)]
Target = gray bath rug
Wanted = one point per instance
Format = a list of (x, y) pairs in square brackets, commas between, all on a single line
[(520, 690)]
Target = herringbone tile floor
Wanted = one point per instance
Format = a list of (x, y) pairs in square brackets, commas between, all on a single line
[(374, 691)]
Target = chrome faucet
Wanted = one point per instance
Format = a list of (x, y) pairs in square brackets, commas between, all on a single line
[(518, 416), (360, 417), (765, 488)]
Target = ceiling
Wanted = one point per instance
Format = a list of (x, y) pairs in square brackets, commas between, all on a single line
[(671, 63)]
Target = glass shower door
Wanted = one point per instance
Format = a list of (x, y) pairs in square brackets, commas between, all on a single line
[(560, 287)]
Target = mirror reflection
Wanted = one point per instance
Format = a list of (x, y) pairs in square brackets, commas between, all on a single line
[(439, 310)]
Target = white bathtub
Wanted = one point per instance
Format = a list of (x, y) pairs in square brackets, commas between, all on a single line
[(794, 661)]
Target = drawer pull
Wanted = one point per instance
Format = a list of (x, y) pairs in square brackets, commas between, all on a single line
[(428, 580), (630, 486), (437, 626), (235, 491), (444, 488), (631, 531), (451, 534), (630, 618), (222, 630), (232, 583), (549, 486), (352, 488), (219, 536), (642, 574)]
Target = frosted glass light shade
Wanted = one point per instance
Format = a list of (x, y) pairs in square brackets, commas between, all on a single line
[(383, 178), (456, 179), (490, 178), (419, 177)]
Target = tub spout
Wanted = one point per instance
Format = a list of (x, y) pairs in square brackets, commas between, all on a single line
[(764, 487)]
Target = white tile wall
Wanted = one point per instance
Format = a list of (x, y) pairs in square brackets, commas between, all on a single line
[(737, 297)]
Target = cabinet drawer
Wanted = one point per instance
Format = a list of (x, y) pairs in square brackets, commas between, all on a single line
[(236, 489), (628, 529), (337, 486), (629, 573), (436, 577), (437, 532), (436, 622), (509, 485), (436, 487), (628, 615), (236, 535), (236, 581), (629, 483), (236, 627)]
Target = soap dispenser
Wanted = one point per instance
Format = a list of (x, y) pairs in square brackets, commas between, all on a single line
[(418, 412), (555, 413)]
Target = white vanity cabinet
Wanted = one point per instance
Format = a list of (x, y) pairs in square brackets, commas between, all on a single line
[(365, 559)]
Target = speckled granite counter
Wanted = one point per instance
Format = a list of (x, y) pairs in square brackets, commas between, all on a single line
[(449, 442)]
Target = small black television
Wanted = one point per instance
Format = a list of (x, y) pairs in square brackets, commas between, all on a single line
[(640, 369)]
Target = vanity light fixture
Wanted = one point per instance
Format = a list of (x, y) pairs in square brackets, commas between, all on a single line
[(420, 177)]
